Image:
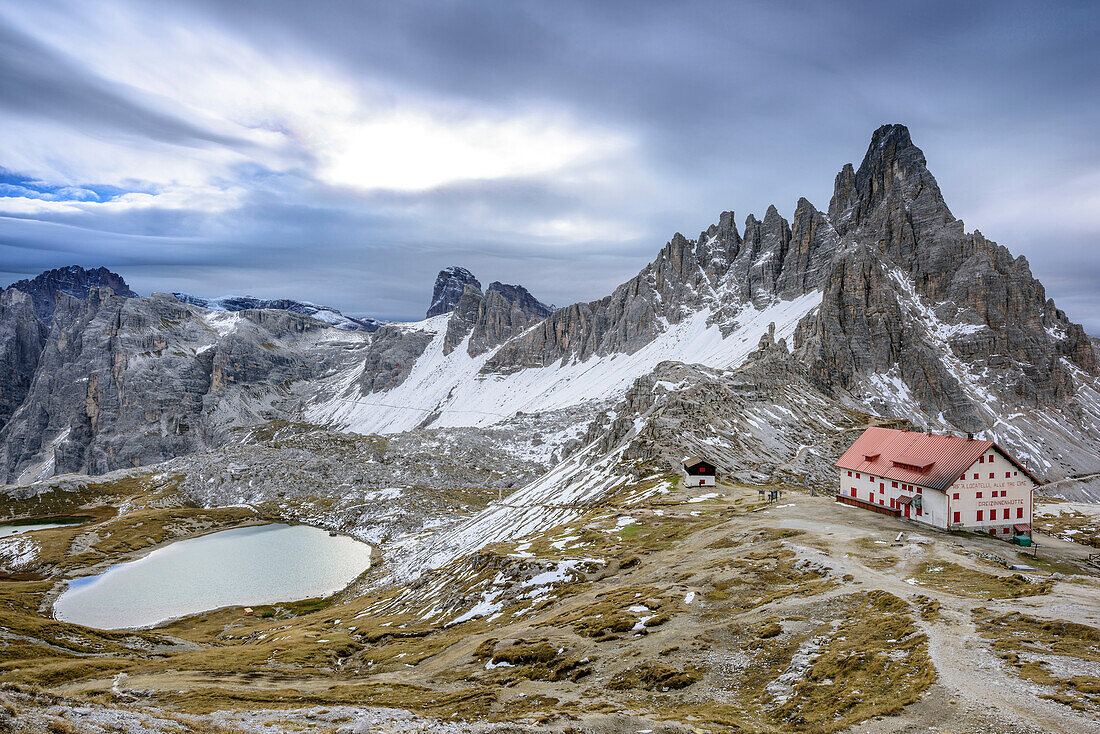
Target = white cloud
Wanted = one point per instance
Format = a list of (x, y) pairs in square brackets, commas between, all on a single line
[(294, 110)]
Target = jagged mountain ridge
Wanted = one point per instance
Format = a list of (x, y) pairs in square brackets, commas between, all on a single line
[(884, 299), (916, 317), (72, 280), (449, 287)]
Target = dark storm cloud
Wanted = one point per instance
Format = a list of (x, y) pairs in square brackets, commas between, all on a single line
[(728, 106), (39, 81)]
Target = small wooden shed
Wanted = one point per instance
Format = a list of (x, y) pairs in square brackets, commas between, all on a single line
[(699, 473)]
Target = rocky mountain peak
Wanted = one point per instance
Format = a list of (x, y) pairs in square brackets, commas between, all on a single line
[(521, 298), (73, 280), (449, 286), (893, 169), (492, 317)]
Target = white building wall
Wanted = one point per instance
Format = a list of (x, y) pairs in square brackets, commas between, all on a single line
[(881, 491), (696, 480), (886, 492), (992, 487)]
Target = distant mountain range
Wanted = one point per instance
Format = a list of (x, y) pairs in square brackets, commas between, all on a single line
[(322, 313), (880, 305)]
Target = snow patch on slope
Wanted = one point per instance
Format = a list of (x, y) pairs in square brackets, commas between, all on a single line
[(558, 497), (451, 390)]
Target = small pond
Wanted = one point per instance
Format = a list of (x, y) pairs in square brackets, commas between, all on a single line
[(246, 566), (29, 526)]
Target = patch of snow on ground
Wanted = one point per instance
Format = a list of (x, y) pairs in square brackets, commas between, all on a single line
[(17, 552)]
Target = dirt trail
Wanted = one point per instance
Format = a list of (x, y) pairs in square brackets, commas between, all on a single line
[(973, 676)]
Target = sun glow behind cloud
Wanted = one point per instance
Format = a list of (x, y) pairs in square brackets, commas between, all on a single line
[(290, 114), (413, 150)]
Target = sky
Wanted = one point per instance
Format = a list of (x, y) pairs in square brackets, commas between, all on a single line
[(345, 152)]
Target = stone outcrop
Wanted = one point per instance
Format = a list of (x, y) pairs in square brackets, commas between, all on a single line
[(72, 280), (449, 287), (22, 337), (392, 353), (493, 317), (126, 382)]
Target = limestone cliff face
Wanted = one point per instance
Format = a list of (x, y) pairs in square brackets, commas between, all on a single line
[(22, 337), (390, 357), (132, 381), (910, 292), (493, 317)]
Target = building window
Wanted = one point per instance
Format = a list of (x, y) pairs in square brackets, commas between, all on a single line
[(882, 503), (956, 519), (919, 512), (920, 490), (955, 496), (993, 531), (978, 495), (1013, 473), (893, 485), (1005, 531), (857, 475), (849, 473), (981, 514), (990, 475), (1019, 513), (872, 479), (1008, 474), (975, 476)]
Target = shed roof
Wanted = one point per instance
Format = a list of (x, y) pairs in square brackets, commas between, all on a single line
[(690, 461), (930, 460)]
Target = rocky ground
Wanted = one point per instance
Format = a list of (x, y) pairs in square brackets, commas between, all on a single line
[(674, 609)]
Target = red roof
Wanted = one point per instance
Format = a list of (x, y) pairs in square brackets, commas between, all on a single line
[(930, 460)]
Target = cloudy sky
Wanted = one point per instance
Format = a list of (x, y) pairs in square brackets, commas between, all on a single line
[(344, 152)]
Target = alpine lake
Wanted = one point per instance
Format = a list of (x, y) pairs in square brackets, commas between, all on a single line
[(245, 566)]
